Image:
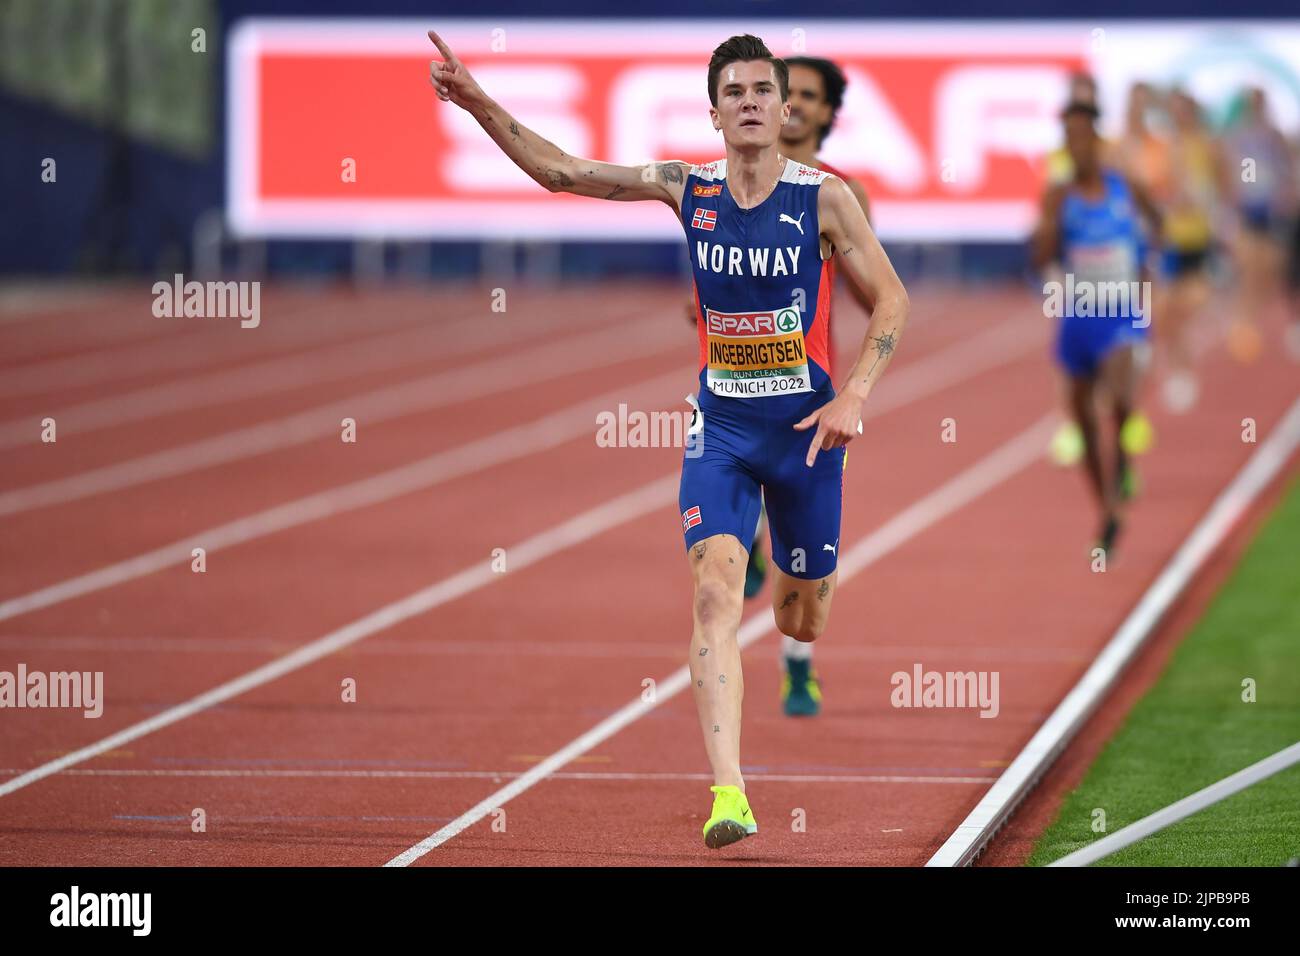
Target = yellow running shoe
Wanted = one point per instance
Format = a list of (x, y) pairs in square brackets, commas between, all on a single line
[(1067, 445), (732, 819), (1137, 436)]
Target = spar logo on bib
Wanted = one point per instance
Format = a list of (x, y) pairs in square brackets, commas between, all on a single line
[(756, 354)]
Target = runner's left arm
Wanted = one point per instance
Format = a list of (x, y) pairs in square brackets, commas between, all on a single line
[(867, 267), (860, 194)]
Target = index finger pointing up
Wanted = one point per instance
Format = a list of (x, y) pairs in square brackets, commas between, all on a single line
[(442, 48)]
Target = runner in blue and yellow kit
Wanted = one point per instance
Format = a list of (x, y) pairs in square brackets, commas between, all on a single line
[(1091, 224), (761, 230)]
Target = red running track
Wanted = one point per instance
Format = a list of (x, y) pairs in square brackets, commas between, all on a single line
[(499, 671)]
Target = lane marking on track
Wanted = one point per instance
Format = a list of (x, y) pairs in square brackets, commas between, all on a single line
[(507, 774), (317, 366), (116, 361), (514, 648), (327, 319), (1181, 809), (927, 376), (974, 833), (999, 465), (423, 394), (634, 504), (545, 433), (989, 471)]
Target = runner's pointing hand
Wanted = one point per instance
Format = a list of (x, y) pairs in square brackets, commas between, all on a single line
[(838, 421), (451, 79)]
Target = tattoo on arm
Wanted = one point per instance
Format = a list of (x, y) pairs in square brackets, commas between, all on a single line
[(884, 347), (845, 252), (670, 172), (613, 193), (558, 177), (514, 128)]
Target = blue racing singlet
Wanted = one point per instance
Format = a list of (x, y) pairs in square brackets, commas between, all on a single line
[(1105, 305), (1101, 244), (763, 293)]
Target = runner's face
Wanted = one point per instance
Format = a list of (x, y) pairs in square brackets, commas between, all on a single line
[(749, 111), (1081, 141), (809, 111)]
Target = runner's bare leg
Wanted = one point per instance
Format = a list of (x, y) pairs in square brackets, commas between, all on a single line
[(718, 565)]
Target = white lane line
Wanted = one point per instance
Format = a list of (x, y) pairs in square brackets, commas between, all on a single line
[(658, 493), (428, 392), (927, 376), (391, 350), (990, 471), (117, 362), (158, 644), (506, 774), (974, 833), (544, 433), (1185, 807), (617, 511)]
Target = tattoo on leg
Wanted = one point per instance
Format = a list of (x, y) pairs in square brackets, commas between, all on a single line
[(716, 729), (699, 683), (790, 598), (704, 652), (731, 560), (700, 549), (722, 678), (823, 589)]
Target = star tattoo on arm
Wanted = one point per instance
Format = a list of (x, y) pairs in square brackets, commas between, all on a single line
[(884, 347)]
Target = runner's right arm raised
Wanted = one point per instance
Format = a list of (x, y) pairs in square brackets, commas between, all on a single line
[(545, 162)]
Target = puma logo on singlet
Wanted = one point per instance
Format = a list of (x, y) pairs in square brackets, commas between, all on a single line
[(797, 223)]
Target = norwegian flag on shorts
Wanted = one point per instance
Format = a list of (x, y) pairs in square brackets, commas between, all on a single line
[(691, 518), (705, 219)]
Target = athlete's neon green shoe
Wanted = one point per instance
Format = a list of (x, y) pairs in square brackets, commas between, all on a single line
[(1137, 436), (732, 819), (1067, 445), (1130, 485), (801, 692)]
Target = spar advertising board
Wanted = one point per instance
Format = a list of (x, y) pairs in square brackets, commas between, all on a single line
[(333, 130)]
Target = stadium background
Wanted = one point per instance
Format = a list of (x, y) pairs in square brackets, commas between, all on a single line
[(139, 125)]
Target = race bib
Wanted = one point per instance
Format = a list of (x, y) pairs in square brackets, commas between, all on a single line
[(1104, 262), (756, 354)]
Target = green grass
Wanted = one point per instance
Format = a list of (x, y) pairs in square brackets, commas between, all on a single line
[(1193, 728)]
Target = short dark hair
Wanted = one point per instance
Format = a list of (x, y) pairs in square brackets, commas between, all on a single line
[(833, 83), (1080, 108), (742, 49)]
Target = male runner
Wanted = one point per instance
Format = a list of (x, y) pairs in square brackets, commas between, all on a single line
[(1091, 225), (1188, 202), (1265, 201), (816, 95), (1067, 447), (761, 228)]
